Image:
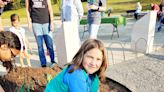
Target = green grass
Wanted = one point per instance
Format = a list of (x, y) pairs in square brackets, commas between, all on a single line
[(118, 6), (121, 5), (22, 14), (7, 14)]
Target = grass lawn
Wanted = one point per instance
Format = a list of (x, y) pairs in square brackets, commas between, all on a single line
[(118, 6)]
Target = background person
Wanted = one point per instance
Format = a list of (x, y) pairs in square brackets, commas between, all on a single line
[(20, 32), (2, 4), (72, 11), (40, 21), (95, 7), (138, 10), (83, 73), (161, 5), (161, 21), (155, 7)]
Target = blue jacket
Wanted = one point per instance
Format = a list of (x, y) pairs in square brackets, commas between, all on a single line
[(77, 81)]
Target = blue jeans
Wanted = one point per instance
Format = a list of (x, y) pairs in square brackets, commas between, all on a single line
[(42, 33)]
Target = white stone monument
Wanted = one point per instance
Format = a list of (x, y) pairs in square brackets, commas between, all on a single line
[(142, 36), (67, 42)]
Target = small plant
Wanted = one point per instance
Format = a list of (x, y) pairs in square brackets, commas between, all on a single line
[(48, 77), (23, 87)]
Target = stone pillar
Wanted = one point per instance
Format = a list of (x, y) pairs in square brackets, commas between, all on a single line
[(67, 42), (142, 36)]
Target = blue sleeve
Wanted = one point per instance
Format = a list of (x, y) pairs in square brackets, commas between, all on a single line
[(76, 81), (56, 84)]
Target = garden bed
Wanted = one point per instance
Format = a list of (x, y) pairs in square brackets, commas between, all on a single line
[(35, 80)]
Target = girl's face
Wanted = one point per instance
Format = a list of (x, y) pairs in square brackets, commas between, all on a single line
[(92, 60), (15, 23)]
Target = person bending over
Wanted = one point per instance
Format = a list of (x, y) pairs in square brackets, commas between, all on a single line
[(84, 72), (9, 47)]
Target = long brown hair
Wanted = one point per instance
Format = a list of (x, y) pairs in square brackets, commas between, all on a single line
[(86, 46)]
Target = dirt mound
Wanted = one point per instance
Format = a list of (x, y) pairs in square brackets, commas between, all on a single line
[(35, 80)]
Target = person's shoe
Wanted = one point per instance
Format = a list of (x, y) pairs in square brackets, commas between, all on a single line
[(53, 65), (159, 29), (44, 66)]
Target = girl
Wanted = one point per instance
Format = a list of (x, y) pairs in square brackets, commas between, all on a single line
[(20, 32), (84, 72)]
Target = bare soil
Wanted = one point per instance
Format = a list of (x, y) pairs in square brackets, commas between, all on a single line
[(35, 80)]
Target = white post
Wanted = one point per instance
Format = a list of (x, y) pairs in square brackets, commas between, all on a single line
[(142, 36), (67, 42)]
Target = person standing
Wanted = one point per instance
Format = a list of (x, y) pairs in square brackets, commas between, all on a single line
[(155, 7), (161, 5), (71, 10), (95, 7), (138, 10), (71, 13), (2, 4), (161, 21), (40, 21), (20, 32)]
